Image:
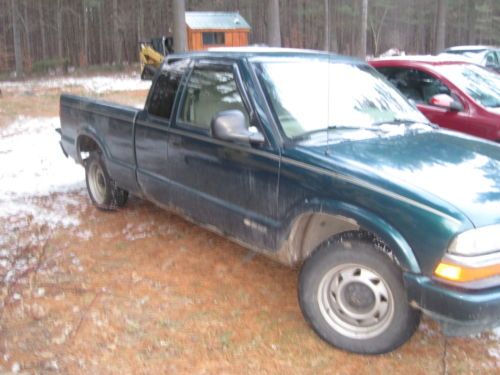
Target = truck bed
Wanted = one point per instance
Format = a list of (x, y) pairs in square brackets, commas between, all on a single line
[(111, 125)]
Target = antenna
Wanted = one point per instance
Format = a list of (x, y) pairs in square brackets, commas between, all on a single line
[(327, 151)]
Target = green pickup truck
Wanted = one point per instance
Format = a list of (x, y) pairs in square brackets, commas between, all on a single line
[(317, 161)]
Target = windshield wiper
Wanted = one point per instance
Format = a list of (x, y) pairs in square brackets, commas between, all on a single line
[(403, 121), (397, 121), (308, 134)]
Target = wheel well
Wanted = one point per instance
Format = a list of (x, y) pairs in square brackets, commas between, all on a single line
[(86, 145), (311, 230)]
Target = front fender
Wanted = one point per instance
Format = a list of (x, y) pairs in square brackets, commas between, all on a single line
[(367, 221)]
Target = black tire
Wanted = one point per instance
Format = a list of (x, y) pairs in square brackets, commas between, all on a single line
[(346, 278), (102, 190)]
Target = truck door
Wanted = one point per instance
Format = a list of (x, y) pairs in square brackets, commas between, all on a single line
[(151, 129), (230, 186)]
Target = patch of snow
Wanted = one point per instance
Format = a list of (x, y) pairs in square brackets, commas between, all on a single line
[(16, 367), (32, 161), (32, 167), (84, 234), (96, 85), (494, 352), (137, 232), (496, 333), (426, 329)]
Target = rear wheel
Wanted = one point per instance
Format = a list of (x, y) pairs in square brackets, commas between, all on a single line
[(101, 188), (353, 296)]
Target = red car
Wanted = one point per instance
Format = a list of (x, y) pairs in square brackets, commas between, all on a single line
[(452, 94)]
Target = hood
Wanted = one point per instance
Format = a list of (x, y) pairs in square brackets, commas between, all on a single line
[(494, 110), (459, 170)]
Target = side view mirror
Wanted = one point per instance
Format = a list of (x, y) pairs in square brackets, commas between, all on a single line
[(445, 101), (231, 126)]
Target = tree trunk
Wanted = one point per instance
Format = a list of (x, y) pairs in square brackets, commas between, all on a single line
[(327, 25), (273, 23), (441, 26), (117, 43), (180, 29), (85, 34), (59, 30), (27, 37), (471, 21), (18, 53), (140, 20), (364, 29), (45, 53), (102, 57)]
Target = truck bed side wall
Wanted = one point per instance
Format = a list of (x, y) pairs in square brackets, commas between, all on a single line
[(111, 126)]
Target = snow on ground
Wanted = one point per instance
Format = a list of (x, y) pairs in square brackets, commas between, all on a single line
[(33, 166), (496, 333), (97, 85)]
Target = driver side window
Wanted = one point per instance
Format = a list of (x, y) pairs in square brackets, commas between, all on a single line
[(491, 59), (416, 85), (208, 92)]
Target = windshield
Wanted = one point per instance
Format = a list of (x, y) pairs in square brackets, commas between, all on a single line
[(309, 95), (481, 84)]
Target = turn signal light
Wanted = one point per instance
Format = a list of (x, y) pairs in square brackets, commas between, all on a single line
[(461, 273)]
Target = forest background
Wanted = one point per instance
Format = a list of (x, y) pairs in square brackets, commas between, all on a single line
[(52, 33)]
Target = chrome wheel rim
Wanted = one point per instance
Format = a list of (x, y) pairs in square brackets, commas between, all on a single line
[(97, 183), (356, 301)]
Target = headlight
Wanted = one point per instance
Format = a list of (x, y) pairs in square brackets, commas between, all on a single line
[(476, 241), (473, 258)]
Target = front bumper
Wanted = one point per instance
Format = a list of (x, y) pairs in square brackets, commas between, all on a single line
[(461, 312)]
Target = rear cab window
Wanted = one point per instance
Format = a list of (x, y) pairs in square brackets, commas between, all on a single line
[(163, 94)]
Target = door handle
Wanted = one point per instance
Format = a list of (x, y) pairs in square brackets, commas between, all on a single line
[(175, 140)]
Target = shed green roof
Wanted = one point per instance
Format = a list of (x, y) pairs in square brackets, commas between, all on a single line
[(216, 20)]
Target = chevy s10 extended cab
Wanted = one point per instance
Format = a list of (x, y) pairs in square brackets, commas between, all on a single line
[(316, 160)]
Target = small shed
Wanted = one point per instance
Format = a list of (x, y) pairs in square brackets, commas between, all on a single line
[(216, 29)]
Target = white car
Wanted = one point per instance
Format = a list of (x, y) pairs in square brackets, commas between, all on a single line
[(483, 55)]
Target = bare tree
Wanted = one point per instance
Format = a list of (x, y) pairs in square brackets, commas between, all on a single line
[(85, 52), (43, 36), (96, 31), (102, 57), (140, 20), (471, 21), (117, 42), (17, 39), (59, 24), (273, 23), (327, 25), (364, 28), (441, 25), (180, 33), (376, 22)]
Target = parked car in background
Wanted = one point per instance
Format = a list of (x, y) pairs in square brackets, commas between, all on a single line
[(452, 94), (486, 56)]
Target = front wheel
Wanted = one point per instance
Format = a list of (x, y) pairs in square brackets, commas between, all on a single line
[(101, 188), (353, 297)]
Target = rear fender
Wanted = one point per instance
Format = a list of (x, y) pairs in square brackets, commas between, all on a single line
[(88, 133)]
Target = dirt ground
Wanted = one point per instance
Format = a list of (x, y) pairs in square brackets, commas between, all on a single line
[(142, 291)]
